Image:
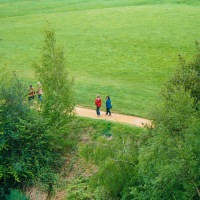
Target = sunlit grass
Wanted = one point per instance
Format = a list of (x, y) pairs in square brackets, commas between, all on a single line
[(112, 48)]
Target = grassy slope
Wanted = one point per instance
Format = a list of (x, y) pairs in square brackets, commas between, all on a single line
[(76, 184), (113, 48)]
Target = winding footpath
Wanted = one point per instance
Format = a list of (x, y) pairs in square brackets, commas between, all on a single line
[(120, 118)]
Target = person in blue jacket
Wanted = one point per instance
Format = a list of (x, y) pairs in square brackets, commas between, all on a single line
[(108, 105)]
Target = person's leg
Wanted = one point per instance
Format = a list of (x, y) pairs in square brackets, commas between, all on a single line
[(97, 110), (109, 111), (30, 100), (106, 111), (40, 97)]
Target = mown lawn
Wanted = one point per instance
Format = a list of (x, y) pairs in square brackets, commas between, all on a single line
[(125, 50)]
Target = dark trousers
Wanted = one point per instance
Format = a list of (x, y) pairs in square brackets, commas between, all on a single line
[(108, 111), (40, 97), (31, 98), (98, 110)]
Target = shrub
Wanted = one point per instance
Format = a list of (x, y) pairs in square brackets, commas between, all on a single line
[(16, 195), (169, 161)]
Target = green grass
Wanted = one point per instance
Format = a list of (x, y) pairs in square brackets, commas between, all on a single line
[(125, 49), (76, 184), (104, 128)]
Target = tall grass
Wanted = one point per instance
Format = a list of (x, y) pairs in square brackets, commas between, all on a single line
[(125, 49)]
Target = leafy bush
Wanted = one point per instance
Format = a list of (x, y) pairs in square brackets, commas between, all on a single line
[(168, 164), (32, 141), (187, 76), (16, 195), (116, 158), (27, 148), (58, 87), (80, 189), (169, 161)]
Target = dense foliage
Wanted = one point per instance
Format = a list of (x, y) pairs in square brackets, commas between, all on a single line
[(187, 76), (51, 72), (27, 147), (169, 162), (33, 140), (16, 195)]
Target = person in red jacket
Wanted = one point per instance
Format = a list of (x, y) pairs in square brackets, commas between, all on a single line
[(31, 94), (98, 105)]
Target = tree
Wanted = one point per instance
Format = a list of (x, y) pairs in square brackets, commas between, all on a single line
[(33, 142), (58, 87), (169, 160), (187, 76), (28, 150)]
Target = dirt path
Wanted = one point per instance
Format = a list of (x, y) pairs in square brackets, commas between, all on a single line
[(131, 120)]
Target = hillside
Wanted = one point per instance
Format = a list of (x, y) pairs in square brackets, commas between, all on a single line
[(123, 49)]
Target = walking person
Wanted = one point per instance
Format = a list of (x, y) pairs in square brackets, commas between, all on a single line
[(39, 91), (98, 105), (31, 94), (108, 105)]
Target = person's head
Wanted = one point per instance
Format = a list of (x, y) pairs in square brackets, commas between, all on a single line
[(98, 96), (107, 97), (31, 86)]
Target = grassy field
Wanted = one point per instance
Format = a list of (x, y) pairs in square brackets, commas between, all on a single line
[(126, 49)]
